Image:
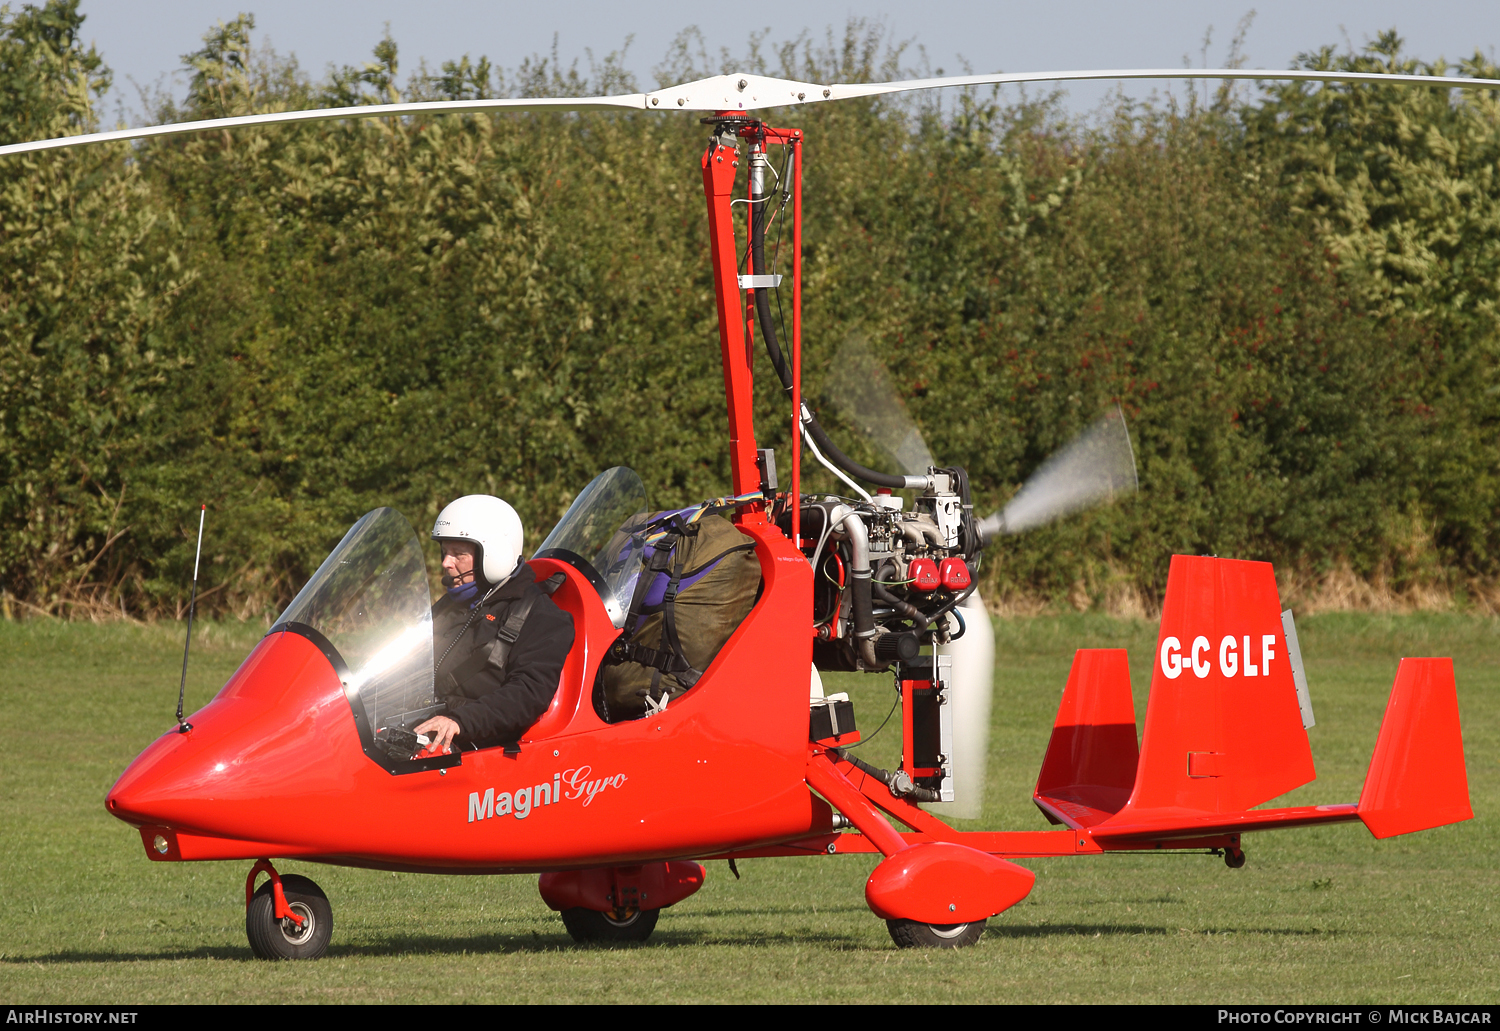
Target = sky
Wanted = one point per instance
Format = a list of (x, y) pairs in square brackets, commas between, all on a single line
[(143, 40)]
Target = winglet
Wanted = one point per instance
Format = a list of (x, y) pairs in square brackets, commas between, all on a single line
[(1417, 778), (1091, 758)]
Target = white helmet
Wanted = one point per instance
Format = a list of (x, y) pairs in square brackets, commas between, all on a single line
[(490, 523)]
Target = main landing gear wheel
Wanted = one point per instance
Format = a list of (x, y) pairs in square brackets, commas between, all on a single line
[(283, 939), (1234, 858), (908, 934), (590, 925)]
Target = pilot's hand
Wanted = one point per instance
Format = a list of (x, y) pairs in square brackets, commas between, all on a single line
[(440, 731)]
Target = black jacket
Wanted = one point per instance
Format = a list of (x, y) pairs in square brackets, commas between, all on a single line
[(490, 705)]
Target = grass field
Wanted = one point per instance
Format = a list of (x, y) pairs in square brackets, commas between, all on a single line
[(1326, 914)]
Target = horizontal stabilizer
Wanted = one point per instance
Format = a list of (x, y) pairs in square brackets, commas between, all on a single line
[(1164, 825), (1091, 759), (1417, 778)]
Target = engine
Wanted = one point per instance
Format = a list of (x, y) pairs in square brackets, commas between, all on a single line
[(884, 576)]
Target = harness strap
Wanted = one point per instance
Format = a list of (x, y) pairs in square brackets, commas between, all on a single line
[(658, 659), (671, 594), (687, 675), (717, 558), (473, 614), (510, 632), (658, 561)]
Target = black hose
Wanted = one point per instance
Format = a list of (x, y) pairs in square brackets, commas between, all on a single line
[(849, 465), (958, 600), (885, 777), (904, 609), (963, 626), (861, 611), (758, 205)]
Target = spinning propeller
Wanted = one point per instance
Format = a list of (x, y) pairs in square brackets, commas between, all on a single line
[(861, 391), (1097, 466)]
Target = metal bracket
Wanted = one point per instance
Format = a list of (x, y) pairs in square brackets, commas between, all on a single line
[(759, 282)]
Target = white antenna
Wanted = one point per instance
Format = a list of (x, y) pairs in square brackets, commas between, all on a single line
[(183, 728)]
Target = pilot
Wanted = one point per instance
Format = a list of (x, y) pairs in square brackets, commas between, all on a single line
[(499, 640)]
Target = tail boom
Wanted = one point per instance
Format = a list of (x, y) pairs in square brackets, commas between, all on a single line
[(1165, 825)]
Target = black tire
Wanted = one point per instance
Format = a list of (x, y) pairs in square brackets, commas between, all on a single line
[(908, 934), (589, 925), (282, 939), (1234, 858)]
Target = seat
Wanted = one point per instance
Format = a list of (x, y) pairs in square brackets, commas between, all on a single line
[(577, 597)]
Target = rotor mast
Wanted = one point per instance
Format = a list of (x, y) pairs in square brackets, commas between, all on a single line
[(720, 166), (735, 293)]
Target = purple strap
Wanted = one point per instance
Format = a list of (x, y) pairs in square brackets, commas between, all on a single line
[(657, 592)]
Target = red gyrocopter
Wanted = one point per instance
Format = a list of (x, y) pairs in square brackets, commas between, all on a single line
[(307, 751)]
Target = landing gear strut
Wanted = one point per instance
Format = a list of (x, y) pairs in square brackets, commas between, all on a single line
[(288, 917)]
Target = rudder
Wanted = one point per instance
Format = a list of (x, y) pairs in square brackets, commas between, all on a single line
[(1223, 727)]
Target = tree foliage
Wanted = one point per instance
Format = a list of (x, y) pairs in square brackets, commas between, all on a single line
[(1294, 299)]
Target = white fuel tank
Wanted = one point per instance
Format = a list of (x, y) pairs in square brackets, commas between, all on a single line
[(973, 658)]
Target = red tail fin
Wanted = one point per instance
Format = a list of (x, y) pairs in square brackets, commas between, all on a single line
[(1417, 778), (1091, 759), (1223, 728)]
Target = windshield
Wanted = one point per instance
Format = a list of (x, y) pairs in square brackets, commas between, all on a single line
[(597, 536), (369, 609)]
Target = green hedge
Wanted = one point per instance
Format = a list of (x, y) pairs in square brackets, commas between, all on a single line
[(1293, 297)]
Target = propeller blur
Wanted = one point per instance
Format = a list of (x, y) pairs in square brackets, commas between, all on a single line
[(1097, 467), (862, 393)]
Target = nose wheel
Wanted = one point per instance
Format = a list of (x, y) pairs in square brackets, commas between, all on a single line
[(298, 926), (908, 934)]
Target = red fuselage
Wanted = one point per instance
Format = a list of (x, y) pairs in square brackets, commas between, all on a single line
[(274, 766)]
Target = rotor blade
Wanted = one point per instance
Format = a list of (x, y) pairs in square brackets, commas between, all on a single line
[(844, 91), (727, 93), (757, 92), (861, 390), (1098, 466), (629, 101)]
